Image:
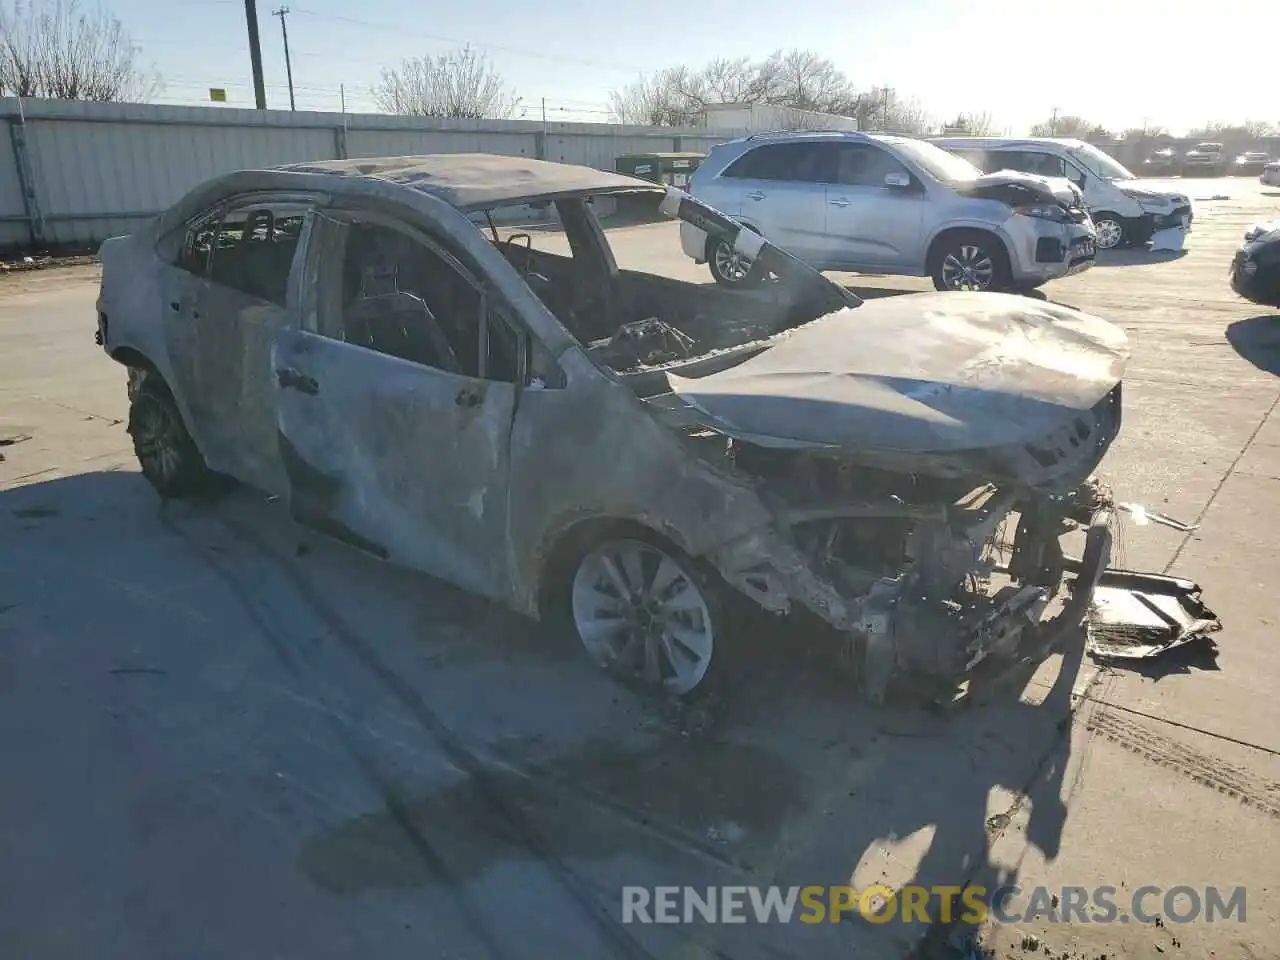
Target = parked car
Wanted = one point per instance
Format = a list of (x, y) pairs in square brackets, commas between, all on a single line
[(871, 203), (1204, 159), (1160, 163), (1250, 164), (1255, 269), (1270, 175), (1125, 210), (622, 451)]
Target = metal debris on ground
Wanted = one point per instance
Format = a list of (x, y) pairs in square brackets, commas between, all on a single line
[(1139, 615), (1142, 516)]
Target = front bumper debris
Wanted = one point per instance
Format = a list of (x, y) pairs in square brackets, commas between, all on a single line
[(904, 637), (1140, 615)]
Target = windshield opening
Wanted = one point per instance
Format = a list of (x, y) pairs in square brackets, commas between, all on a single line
[(1099, 163), (936, 162), (611, 270)]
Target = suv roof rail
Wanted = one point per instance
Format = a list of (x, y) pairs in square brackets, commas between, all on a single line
[(794, 133)]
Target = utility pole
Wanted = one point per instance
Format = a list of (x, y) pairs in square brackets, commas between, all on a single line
[(255, 54), (1053, 124), (288, 67)]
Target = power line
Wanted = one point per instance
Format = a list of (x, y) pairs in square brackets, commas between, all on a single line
[(515, 51)]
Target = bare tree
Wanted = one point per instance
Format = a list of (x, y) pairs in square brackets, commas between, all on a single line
[(1249, 130), (62, 51), (806, 81), (661, 100), (1070, 126), (679, 96), (454, 85), (970, 125), (880, 108)]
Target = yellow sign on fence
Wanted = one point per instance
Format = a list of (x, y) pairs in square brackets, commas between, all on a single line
[(218, 94)]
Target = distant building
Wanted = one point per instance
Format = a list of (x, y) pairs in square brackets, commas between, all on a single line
[(759, 117)]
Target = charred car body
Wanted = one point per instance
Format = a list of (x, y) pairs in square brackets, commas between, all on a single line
[(1255, 269), (622, 449)]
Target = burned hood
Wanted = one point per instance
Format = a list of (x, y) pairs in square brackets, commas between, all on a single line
[(923, 373), (1017, 187)]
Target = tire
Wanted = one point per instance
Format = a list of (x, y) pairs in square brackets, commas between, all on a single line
[(729, 268), (646, 612), (1114, 235), (166, 453), (969, 260)]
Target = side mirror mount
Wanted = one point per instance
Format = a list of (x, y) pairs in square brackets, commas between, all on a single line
[(897, 181)]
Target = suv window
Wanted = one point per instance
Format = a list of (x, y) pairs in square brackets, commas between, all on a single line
[(253, 248), (408, 298), (1032, 161), (862, 165), (805, 162)]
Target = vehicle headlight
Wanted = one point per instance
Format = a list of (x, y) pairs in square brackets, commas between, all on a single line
[(1043, 211), (1146, 198)]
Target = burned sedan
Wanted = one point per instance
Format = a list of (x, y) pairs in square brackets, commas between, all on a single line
[(625, 451)]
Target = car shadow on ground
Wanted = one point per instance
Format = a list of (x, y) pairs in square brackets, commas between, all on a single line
[(1258, 341), (1133, 257), (784, 776), (1199, 654)]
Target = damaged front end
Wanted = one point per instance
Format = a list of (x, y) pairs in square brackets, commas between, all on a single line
[(933, 581), (926, 480)]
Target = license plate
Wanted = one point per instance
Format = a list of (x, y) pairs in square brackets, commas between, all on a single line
[(1085, 248)]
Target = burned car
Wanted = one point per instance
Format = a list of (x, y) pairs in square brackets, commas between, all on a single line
[(625, 451), (1255, 268)]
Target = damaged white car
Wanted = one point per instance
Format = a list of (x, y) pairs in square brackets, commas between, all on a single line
[(624, 450)]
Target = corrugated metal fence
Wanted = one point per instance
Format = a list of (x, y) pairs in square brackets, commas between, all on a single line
[(74, 173)]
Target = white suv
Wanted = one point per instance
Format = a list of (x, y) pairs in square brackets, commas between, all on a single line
[(873, 203)]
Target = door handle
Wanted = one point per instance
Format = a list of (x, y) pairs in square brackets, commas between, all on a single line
[(842, 202), (467, 397), (291, 378), (755, 195), (175, 306)]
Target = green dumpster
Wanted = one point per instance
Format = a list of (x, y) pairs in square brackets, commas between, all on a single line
[(672, 169)]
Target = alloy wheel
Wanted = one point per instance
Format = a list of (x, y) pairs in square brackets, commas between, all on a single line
[(968, 267), (638, 610), (730, 264), (1110, 233), (157, 440)]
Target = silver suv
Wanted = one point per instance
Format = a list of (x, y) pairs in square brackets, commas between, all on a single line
[(872, 203)]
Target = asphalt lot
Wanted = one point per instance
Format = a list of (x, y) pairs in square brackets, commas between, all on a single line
[(228, 738)]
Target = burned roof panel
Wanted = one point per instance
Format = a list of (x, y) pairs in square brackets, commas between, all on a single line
[(476, 181)]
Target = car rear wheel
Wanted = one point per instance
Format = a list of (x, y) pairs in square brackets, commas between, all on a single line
[(645, 611), (1111, 232), (168, 456), (731, 268), (970, 260)]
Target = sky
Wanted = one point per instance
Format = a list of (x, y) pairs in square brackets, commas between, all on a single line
[(1120, 63)]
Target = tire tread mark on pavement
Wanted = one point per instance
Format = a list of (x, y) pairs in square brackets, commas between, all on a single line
[(614, 933), (1235, 782)]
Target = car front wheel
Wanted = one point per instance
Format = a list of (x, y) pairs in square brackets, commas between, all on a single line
[(168, 456), (970, 261), (1111, 232), (644, 610)]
